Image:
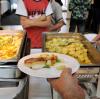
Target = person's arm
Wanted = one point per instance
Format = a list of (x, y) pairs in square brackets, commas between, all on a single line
[(57, 26), (26, 22), (13, 4), (97, 40), (67, 86), (57, 18)]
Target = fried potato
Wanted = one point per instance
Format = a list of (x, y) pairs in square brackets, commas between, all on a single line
[(70, 47)]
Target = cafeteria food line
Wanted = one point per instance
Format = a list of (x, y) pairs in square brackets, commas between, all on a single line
[(40, 89)]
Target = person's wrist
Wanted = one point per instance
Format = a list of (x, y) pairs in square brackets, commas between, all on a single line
[(70, 95), (64, 95)]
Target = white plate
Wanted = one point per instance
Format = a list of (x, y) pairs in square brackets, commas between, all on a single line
[(48, 72), (90, 37)]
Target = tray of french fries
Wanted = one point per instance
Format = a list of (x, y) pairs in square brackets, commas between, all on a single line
[(72, 44), (11, 42)]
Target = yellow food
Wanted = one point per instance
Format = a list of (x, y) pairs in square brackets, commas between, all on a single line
[(9, 45), (71, 46)]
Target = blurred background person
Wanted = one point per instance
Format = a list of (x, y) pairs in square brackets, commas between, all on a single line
[(60, 2), (0, 14), (4, 6), (93, 20), (35, 17), (13, 5), (57, 18), (89, 21), (8, 9), (96, 17), (79, 12)]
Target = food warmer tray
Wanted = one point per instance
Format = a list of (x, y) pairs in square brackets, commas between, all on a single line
[(93, 53), (9, 69), (15, 59)]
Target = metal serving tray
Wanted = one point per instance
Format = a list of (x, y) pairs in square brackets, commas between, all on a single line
[(9, 69), (93, 54), (18, 54)]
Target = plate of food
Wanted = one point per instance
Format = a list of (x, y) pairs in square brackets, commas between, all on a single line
[(47, 65)]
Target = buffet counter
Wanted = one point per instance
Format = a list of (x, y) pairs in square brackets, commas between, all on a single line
[(77, 46), (88, 74), (92, 85)]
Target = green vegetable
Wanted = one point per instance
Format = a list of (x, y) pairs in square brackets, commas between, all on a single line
[(48, 63), (58, 60), (46, 66), (60, 67)]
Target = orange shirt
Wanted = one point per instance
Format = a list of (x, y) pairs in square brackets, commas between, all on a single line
[(35, 33)]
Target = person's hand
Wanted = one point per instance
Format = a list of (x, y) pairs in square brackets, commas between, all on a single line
[(97, 40), (42, 17), (25, 22), (28, 21), (67, 86), (51, 27)]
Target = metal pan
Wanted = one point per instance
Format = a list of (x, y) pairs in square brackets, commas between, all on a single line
[(93, 53), (18, 53)]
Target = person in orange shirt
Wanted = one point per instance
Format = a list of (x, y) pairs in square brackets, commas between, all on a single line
[(57, 17), (35, 17)]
